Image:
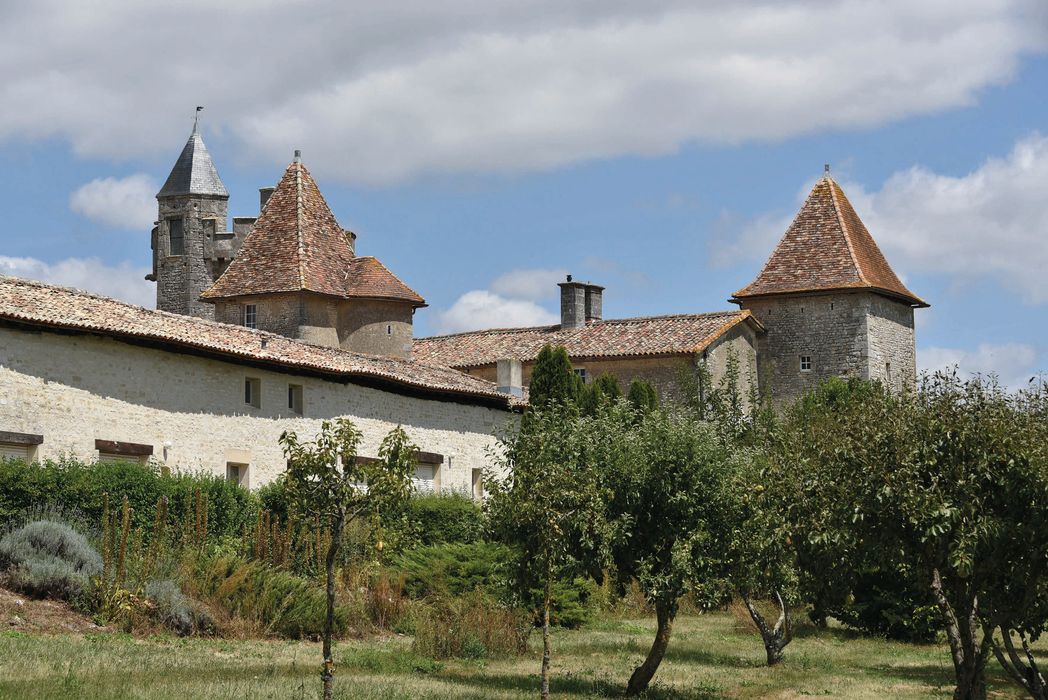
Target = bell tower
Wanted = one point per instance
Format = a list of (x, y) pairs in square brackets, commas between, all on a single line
[(193, 206)]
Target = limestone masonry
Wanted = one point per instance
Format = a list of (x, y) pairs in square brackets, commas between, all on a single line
[(277, 324)]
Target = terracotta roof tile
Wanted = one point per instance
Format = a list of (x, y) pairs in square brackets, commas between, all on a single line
[(41, 305), (827, 247), (649, 335), (297, 245)]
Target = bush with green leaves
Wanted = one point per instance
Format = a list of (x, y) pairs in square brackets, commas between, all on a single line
[(48, 559), (73, 485)]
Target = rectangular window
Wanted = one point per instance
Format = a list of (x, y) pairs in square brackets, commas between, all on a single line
[(294, 398), (250, 316), (806, 363), (478, 484), (237, 473), (581, 373), (888, 372), (114, 457), (253, 392), (176, 237)]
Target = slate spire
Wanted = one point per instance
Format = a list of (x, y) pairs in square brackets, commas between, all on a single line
[(827, 247), (194, 172)]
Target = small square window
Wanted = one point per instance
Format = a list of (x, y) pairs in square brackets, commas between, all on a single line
[(294, 398), (253, 392), (250, 317), (237, 473), (176, 237), (580, 372), (806, 363)]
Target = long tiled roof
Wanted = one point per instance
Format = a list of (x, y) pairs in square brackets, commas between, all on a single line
[(297, 245), (42, 305), (649, 335), (827, 247), (194, 172)]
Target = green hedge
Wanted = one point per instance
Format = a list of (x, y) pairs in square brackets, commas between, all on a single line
[(72, 486)]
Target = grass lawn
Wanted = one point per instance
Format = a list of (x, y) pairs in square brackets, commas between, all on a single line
[(710, 656)]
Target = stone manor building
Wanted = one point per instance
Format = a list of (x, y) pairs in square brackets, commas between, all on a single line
[(274, 324), (826, 303)]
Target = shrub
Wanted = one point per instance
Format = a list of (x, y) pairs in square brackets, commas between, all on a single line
[(440, 518), (451, 569), (48, 559), (172, 606), (471, 626), (891, 604), (277, 602)]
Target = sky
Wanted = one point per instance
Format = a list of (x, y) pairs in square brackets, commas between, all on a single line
[(484, 150)]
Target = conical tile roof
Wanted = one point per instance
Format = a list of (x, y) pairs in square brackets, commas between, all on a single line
[(194, 172), (826, 248), (297, 245)]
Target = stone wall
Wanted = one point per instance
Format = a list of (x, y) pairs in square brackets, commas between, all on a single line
[(181, 279), (376, 327), (76, 389), (846, 334)]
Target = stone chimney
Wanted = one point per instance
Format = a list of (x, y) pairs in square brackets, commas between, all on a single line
[(351, 239), (509, 377), (264, 194), (580, 302)]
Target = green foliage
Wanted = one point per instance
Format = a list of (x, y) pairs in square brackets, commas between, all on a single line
[(48, 559), (451, 569), (574, 602), (599, 394), (552, 379), (438, 518), (642, 396), (892, 603), (952, 478), (473, 626), (172, 606), (278, 602), (69, 485)]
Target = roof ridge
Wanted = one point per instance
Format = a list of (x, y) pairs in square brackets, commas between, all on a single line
[(298, 224), (845, 229)]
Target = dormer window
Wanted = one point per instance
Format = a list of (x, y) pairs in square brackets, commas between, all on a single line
[(250, 316), (176, 236)]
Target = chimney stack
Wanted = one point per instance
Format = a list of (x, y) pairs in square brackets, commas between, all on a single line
[(264, 193), (580, 303), (509, 377)]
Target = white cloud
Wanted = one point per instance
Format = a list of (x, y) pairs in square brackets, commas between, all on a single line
[(128, 202), (122, 281), (988, 224), (377, 92), (533, 285), (1012, 363), (479, 309)]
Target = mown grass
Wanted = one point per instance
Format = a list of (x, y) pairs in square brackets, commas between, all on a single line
[(711, 656)]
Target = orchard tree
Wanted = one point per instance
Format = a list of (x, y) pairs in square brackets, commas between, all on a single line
[(668, 476), (952, 478), (545, 499), (327, 480)]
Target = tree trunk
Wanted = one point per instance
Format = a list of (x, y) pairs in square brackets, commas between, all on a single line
[(328, 673), (967, 651), (547, 601), (642, 675), (1021, 668), (775, 638)]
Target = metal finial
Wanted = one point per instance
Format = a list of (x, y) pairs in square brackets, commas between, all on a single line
[(826, 168), (196, 118), (298, 156), (569, 278)]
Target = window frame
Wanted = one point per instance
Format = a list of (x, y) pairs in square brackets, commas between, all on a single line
[(253, 392), (249, 316), (181, 238), (296, 399), (581, 373), (806, 363)]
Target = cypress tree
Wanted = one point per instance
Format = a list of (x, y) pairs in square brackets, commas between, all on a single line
[(552, 379), (642, 395)]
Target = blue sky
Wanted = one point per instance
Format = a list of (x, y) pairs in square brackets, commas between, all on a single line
[(482, 152)]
